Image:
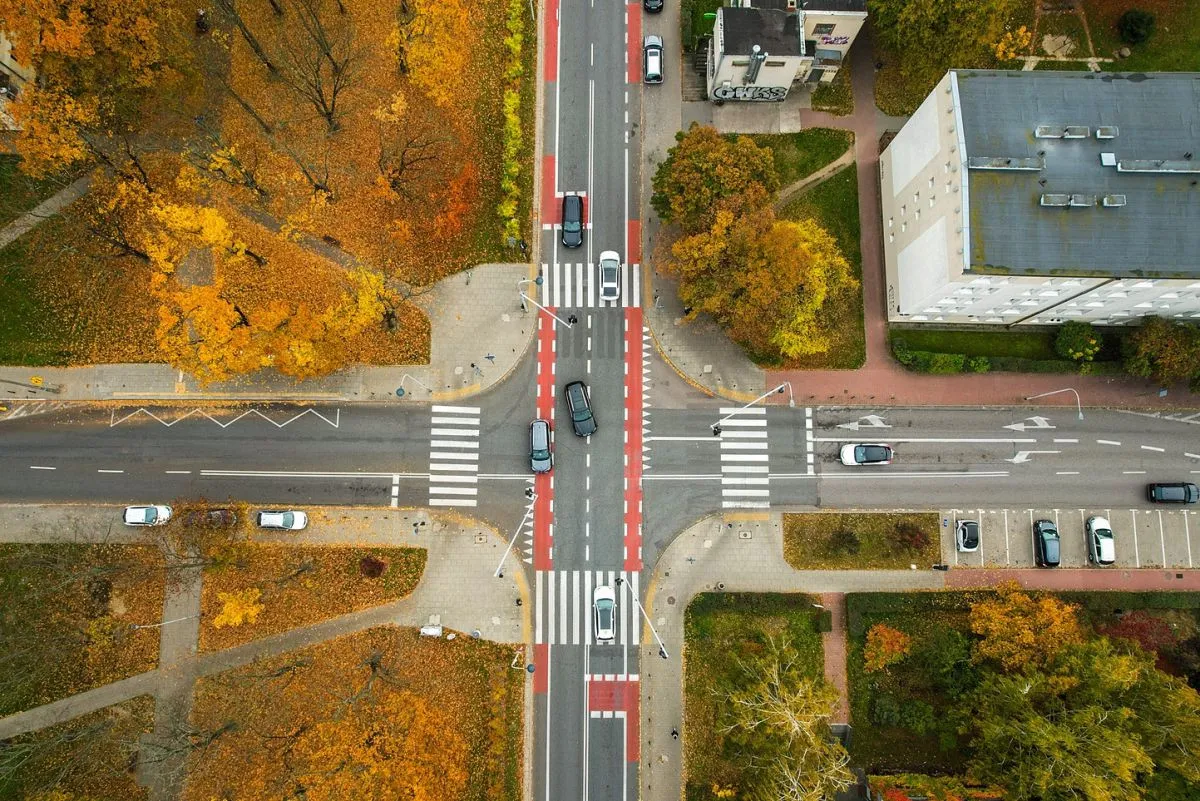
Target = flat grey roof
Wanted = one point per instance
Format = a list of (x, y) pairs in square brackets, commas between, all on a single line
[(776, 32), (835, 5), (1156, 117)]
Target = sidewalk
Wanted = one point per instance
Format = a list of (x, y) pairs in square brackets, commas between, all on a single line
[(704, 356), (714, 555), (473, 314)]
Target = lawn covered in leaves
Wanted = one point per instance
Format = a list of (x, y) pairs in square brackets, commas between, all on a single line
[(800, 154), (362, 716), (288, 586), (721, 630), (860, 540)]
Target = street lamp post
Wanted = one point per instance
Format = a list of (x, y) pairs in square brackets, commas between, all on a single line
[(535, 281), (525, 297), (137, 626), (716, 427), (1078, 405), (532, 496), (662, 649)]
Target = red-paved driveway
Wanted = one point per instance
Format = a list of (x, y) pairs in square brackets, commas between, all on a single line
[(883, 381)]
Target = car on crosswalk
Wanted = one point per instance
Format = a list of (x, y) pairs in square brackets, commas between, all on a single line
[(610, 275), (604, 613)]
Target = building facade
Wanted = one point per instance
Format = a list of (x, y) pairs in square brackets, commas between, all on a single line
[(761, 48), (1040, 197)]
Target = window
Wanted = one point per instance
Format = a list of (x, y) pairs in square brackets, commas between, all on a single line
[(890, 221), (742, 62), (891, 237), (824, 29), (775, 63), (931, 183), (903, 227), (931, 203), (903, 209)]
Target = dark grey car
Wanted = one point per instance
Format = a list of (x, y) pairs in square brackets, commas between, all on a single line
[(541, 446), (580, 407), (572, 221), (1172, 493), (1045, 543)]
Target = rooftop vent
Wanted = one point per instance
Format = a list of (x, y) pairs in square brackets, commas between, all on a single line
[(1005, 163), (1056, 200), (1108, 159), (1061, 132), (1114, 201), (1082, 201), (1158, 165), (1107, 132)]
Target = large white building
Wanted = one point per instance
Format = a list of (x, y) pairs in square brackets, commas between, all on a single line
[(1041, 197), (760, 48)]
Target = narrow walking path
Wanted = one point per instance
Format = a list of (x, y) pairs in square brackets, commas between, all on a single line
[(44, 210), (834, 644), (829, 170)]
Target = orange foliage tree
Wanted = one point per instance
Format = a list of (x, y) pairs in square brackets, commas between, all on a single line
[(885, 646), (1019, 629)]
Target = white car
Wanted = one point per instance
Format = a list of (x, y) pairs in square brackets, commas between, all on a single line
[(610, 275), (1101, 549), (866, 453), (147, 515), (604, 610), (289, 521)]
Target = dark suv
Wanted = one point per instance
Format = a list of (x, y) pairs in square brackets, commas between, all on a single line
[(1172, 493), (572, 221), (580, 407), (1045, 543)]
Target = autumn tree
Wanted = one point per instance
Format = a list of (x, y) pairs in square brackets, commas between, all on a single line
[(427, 41), (1090, 722), (936, 35), (319, 58), (778, 721), (706, 172), (1164, 350), (885, 646), (1019, 629), (764, 280)]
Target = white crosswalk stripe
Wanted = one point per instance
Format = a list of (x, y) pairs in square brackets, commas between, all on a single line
[(563, 606), (454, 456), (745, 470), (567, 286)]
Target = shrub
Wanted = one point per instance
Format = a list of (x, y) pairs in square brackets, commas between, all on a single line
[(908, 713), (1135, 26), (371, 567), (844, 542), (885, 646), (910, 537), (979, 364), (1078, 341), (902, 352), (944, 657), (1164, 350)]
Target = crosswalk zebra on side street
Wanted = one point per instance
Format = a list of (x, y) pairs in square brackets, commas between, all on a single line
[(454, 456)]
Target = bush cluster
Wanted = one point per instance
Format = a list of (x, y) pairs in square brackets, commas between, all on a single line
[(1078, 341), (1135, 26), (910, 537), (514, 42), (923, 361), (916, 716)]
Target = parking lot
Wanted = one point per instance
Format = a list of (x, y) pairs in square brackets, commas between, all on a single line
[(1143, 537)]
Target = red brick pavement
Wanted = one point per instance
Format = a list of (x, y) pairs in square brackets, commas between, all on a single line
[(834, 642), (1098, 578)]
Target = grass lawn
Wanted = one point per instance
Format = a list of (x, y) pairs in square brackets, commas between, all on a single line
[(835, 97), (835, 541), (301, 585), (69, 612), (799, 155), (85, 758), (1025, 344), (720, 629), (834, 204), (20, 193), (692, 23), (1174, 46)]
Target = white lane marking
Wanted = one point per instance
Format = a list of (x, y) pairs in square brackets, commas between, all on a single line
[(680, 477), (455, 421), (1067, 473), (395, 491), (113, 421), (110, 471), (454, 443), (467, 457), (746, 493), (745, 482), (458, 467), (450, 490), (759, 411), (1107, 442), (745, 468), (454, 432), (978, 440), (457, 479), (1064, 440), (455, 410), (1153, 448), (452, 502), (39, 467), (300, 474), (1191, 455), (743, 445), (939, 474), (1133, 472), (539, 592)]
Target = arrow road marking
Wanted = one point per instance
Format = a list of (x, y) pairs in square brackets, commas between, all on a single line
[(1038, 422), (872, 421), (1023, 456)]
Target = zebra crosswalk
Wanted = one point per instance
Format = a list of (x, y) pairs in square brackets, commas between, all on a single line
[(745, 479), (578, 286), (563, 610), (453, 455)]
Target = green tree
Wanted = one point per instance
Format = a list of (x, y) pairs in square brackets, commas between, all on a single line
[(1078, 341), (706, 172), (778, 720), (935, 35), (1164, 350)]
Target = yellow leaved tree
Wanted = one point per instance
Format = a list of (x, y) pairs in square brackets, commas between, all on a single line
[(238, 607)]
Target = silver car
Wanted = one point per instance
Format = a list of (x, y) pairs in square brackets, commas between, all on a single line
[(541, 445), (286, 520), (610, 275), (652, 59), (604, 610)]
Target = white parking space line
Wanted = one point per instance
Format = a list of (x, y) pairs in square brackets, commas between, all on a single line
[(1007, 552), (1162, 537), (1137, 558), (1187, 535)]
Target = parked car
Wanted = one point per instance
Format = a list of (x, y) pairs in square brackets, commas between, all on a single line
[(212, 518), (541, 446), (866, 453), (147, 515), (1181, 492), (610, 275), (287, 520), (652, 59), (966, 536), (604, 610), (580, 406), (1045, 543), (572, 221), (1100, 547), (653, 6)]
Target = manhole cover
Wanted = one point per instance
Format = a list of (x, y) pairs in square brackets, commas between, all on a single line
[(670, 600), (744, 535), (480, 539)]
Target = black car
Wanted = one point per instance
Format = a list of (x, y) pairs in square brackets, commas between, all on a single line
[(1045, 543), (653, 6), (580, 407), (966, 536), (572, 221), (1172, 493)]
